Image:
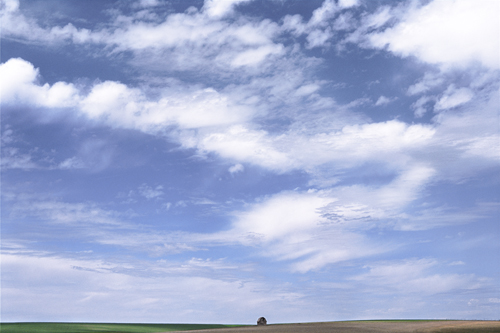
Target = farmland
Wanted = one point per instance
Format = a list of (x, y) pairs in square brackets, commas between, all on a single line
[(102, 327), (375, 326)]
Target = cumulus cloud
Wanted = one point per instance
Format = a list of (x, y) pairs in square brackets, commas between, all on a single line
[(118, 105), (430, 31), (19, 85)]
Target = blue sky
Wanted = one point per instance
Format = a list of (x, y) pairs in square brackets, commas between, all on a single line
[(216, 161)]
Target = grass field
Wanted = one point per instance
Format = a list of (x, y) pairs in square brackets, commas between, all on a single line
[(368, 326), (93, 327)]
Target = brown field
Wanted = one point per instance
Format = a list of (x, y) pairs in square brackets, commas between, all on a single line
[(452, 326)]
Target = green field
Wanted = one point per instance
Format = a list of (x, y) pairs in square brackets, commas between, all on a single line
[(93, 327)]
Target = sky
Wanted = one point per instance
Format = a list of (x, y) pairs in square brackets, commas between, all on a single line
[(216, 161)]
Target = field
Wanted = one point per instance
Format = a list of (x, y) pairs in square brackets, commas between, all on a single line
[(109, 328), (377, 326)]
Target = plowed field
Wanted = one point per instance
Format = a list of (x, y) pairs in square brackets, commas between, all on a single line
[(370, 327)]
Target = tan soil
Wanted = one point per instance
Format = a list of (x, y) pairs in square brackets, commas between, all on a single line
[(369, 327)]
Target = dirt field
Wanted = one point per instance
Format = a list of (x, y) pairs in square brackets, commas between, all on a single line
[(370, 327)]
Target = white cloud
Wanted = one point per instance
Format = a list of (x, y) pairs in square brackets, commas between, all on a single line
[(294, 24), (148, 3), (429, 32), (318, 37), (244, 145), (253, 57), (72, 163), (357, 143), (367, 24), (321, 15), (12, 158), (307, 89), (329, 9), (96, 224), (393, 143), (426, 218), (63, 213), (219, 8), (112, 100), (316, 228), (344, 21), (307, 229), (382, 100), (378, 19), (290, 226), (485, 146), (193, 39), (347, 147), (429, 81), (276, 218), (319, 28), (16, 25), (404, 189), (236, 168), (468, 138), (93, 154), (218, 264), (18, 84), (151, 193), (118, 105), (88, 289), (412, 276), (453, 97), (348, 3), (420, 106), (15, 157)]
